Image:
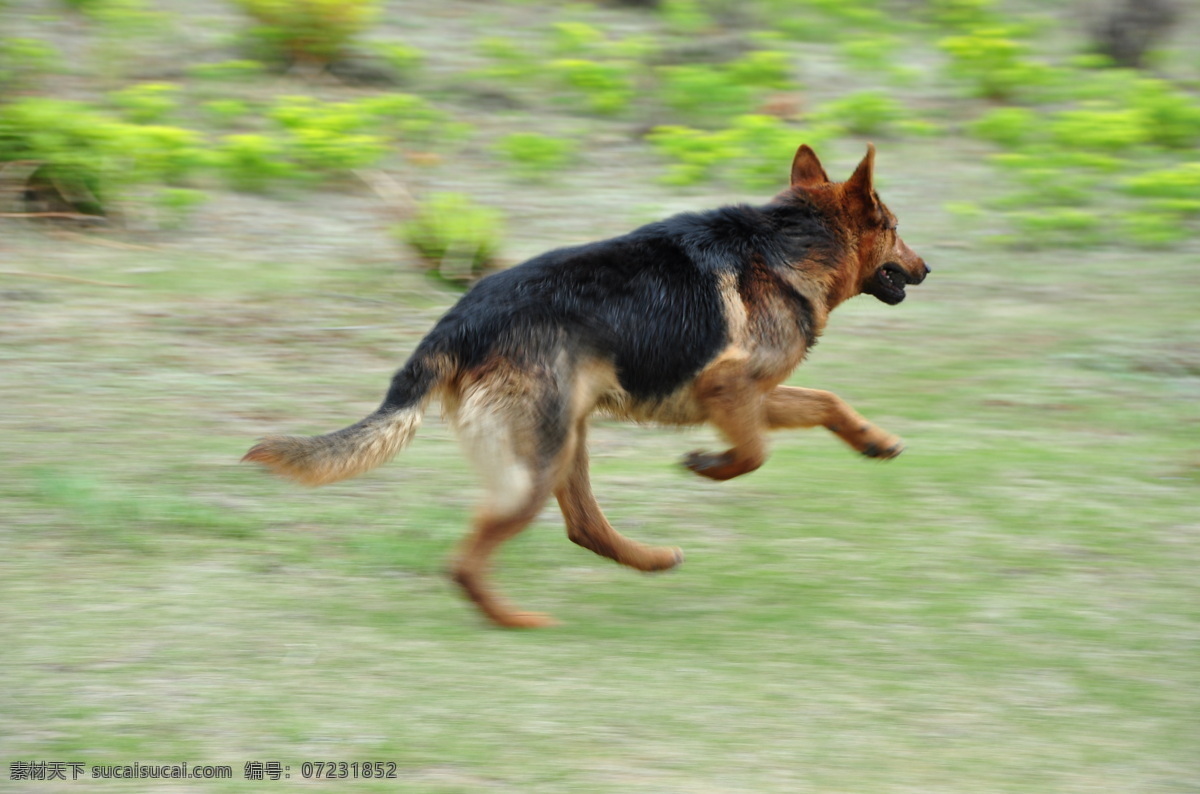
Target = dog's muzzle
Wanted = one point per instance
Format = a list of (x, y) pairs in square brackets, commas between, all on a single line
[(888, 282)]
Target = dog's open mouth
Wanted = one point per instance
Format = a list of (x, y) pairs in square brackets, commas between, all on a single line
[(888, 283)]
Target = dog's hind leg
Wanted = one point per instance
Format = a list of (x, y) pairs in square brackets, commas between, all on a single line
[(587, 526), (514, 429), (789, 406), (733, 404), (471, 567)]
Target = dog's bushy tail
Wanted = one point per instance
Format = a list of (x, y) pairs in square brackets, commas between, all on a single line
[(370, 442)]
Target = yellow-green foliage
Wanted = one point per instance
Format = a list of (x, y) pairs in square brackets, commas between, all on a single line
[(862, 113), (826, 20), (332, 138), (253, 162), (534, 155), (83, 146), (749, 152), (573, 39), (1178, 188), (701, 92), (1099, 128), (762, 69), (961, 14), (606, 87), (147, 103), (993, 61), (685, 16), (238, 69), (226, 112), (22, 60), (1072, 162), (512, 62), (1011, 127), (308, 30), (1057, 226), (1171, 116), (455, 237), (698, 92), (405, 59), (870, 53)]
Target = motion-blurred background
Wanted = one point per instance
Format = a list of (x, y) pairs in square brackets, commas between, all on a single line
[(226, 219)]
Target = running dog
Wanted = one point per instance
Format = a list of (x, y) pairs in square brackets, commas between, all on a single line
[(697, 318)]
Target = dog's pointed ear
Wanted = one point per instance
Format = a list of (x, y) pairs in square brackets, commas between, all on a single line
[(806, 168), (860, 187), (862, 181)]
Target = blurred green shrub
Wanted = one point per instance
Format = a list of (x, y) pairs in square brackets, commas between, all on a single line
[(317, 31), (1177, 189), (703, 93), (1049, 188), (320, 140), (1170, 202), (1155, 228), (697, 92), (406, 60), (329, 138), (961, 14), (87, 150), (868, 53), (1171, 116), (605, 87), (771, 69), (175, 205), (574, 39), (1011, 127), (861, 113), (754, 151), (158, 153), (147, 103), (993, 62), (239, 69), (253, 162), (764, 147), (226, 112), (22, 60), (1099, 128), (456, 238), (695, 154), (335, 137), (512, 62), (825, 20), (685, 16), (1057, 227), (533, 155), (409, 118)]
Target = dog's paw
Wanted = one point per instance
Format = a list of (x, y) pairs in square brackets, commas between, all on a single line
[(708, 464), (885, 449), (668, 558), (721, 466), (525, 620)]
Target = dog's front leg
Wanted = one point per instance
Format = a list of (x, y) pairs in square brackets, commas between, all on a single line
[(789, 406), (733, 403)]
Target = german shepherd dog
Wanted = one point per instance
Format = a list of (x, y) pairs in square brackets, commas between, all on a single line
[(697, 318)]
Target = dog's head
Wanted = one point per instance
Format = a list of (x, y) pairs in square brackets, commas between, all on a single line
[(883, 263)]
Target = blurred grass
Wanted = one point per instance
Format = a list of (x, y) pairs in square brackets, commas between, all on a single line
[(1009, 606)]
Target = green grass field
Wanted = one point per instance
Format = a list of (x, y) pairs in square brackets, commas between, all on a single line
[(1010, 606)]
